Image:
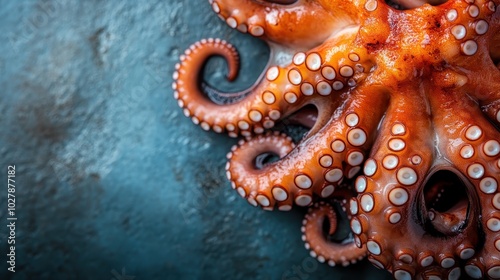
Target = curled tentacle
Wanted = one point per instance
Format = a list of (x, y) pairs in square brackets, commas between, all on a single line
[(311, 78), (344, 252), (250, 114), (260, 149), (317, 165), (292, 24)]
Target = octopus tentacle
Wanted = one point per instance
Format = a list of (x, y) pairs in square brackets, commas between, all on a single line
[(393, 179), (250, 114), (475, 152), (292, 24), (318, 164), (258, 149), (309, 79), (407, 178), (344, 252)]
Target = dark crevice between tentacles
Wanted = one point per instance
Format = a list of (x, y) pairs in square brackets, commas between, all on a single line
[(265, 159), (343, 233), (495, 50), (299, 124), (446, 203)]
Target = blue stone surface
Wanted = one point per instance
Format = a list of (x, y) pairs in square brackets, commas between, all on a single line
[(112, 181)]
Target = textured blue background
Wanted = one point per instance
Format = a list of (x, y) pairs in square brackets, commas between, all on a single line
[(112, 179)]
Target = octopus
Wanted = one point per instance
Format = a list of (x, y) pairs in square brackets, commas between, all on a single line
[(401, 103)]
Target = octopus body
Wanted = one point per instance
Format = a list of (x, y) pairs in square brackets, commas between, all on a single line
[(402, 106)]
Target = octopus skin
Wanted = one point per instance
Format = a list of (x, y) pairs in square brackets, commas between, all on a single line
[(405, 128)]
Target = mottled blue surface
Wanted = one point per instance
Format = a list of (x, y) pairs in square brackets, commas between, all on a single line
[(111, 178)]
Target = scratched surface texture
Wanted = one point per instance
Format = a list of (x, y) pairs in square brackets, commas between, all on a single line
[(112, 181)]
